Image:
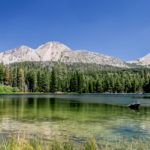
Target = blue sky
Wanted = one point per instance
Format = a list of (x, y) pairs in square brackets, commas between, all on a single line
[(119, 28)]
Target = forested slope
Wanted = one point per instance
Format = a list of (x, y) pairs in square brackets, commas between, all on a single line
[(82, 78)]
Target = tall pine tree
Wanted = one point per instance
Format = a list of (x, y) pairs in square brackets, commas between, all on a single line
[(53, 81)]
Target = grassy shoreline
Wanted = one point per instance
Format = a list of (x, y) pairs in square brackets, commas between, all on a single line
[(20, 143)]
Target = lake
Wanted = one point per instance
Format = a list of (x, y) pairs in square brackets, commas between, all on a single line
[(77, 118)]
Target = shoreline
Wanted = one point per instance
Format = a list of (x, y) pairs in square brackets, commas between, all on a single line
[(75, 93)]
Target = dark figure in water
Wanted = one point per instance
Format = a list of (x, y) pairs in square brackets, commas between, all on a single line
[(134, 106)]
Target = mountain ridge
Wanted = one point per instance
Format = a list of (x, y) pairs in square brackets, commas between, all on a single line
[(56, 51), (143, 61)]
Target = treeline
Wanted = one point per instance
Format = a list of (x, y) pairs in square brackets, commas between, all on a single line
[(82, 78)]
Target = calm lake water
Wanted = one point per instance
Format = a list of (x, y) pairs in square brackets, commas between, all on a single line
[(75, 117)]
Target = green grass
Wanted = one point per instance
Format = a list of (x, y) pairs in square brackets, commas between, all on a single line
[(8, 89), (36, 144)]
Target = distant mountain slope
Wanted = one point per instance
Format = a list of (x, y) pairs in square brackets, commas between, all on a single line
[(144, 61), (84, 56), (55, 51), (19, 54), (52, 51)]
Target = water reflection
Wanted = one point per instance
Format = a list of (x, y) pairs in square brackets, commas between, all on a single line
[(71, 118)]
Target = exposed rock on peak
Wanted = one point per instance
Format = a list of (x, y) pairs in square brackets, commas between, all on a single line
[(144, 61), (52, 51), (55, 51), (85, 56), (19, 54), (23, 47)]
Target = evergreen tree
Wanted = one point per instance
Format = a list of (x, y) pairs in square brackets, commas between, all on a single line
[(1, 73), (7, 76), (90, 86), (44, 82), (80, 82), (99, 87), (21, 80), (14, 77), (53, 81), (38, 77), (74, 82), (31, 81)]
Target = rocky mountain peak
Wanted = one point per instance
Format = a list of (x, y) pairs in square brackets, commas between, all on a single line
[(19, 54), (52, 51), (23, 47), (53, 46), (56, 51), (144, 61)]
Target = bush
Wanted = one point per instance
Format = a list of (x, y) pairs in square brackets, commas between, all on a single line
[(8, 89)]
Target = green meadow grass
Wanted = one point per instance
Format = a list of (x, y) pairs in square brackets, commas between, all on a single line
[(20, 143)]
